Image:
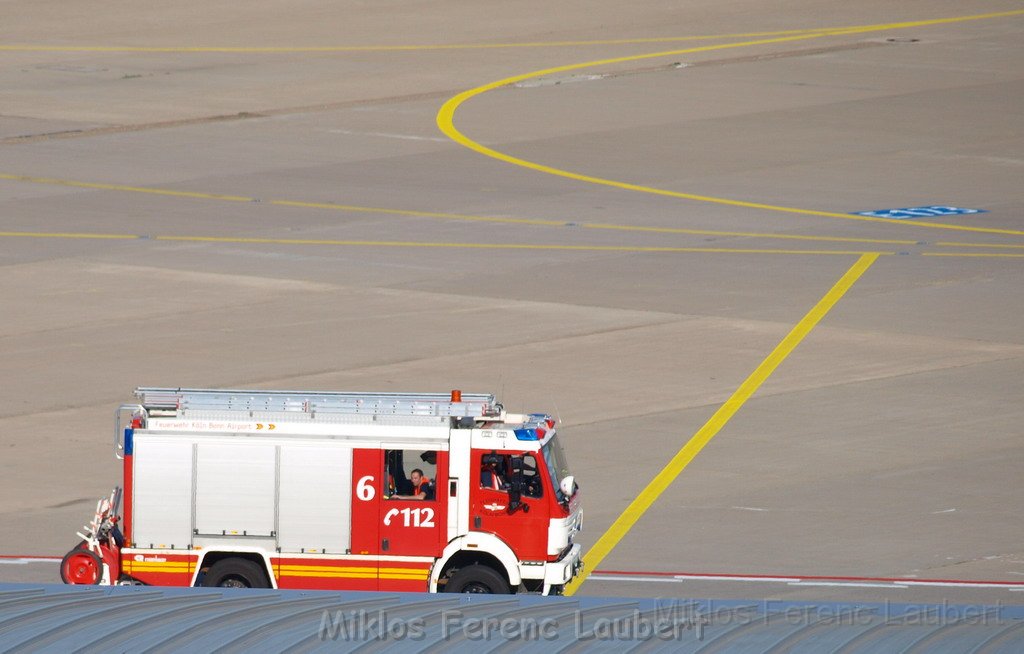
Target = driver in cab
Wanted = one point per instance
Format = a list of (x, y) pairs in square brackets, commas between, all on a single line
[(421, 489)]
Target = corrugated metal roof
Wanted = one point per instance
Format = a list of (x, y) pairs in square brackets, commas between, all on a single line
[(151, 619)]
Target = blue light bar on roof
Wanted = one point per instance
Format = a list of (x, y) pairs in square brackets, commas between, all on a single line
[(526, 434)]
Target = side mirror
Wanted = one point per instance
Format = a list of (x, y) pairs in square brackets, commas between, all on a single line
[(568, 486)]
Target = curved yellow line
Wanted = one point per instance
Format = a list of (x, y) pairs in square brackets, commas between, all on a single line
[(446, 115)]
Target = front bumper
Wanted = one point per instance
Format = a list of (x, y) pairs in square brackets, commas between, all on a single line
[(561, 572)]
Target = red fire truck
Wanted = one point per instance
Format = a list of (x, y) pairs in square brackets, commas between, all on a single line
[(329, 490)]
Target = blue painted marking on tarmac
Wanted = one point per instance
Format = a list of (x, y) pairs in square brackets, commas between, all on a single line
[(919, 212)]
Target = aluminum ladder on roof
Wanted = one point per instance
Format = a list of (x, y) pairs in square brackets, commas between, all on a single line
[(455, 404)]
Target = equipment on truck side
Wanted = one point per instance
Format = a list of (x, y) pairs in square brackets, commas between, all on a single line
[(296, 489), (96, 559)]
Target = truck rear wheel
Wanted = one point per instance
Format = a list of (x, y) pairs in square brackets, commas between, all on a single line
[(81, 567), (477, 578), (235, 573)]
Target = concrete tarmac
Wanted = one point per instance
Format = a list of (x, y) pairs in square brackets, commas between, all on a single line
[(258, 195)]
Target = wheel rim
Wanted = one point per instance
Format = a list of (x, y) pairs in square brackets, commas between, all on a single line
[(81, 568), (233, 582), (477, 587)]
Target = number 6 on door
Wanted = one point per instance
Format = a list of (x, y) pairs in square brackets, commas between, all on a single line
[(364, 488)]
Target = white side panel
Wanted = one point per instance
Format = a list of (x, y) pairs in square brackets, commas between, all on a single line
[(458, 469), (235, 488), (315, 511), (162, 494)]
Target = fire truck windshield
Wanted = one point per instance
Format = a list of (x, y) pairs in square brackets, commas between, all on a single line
[(558, 467)]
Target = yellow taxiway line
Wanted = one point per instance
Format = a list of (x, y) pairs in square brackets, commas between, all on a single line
[(440, 215), (636, 509), (418, 244), (494, 246), (446, 122), (30, 47)]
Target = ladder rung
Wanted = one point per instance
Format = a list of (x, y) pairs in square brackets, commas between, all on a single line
[(369, 403)]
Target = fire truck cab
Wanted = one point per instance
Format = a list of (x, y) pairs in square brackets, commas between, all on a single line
[(348, 491)]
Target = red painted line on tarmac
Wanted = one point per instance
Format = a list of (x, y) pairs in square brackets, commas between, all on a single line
[(741, 577)]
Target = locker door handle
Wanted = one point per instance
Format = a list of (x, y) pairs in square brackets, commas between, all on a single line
[(384, 545)]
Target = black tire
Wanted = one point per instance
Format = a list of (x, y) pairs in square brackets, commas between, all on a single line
[(477, 578), (128, 580), (236, 573)]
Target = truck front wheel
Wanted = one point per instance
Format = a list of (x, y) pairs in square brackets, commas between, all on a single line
[(477, 578), (235, 573)]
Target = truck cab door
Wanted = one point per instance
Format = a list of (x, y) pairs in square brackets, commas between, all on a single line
[(412, 532), (525, 527)]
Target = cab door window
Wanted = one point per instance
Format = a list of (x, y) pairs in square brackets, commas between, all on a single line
[(532, 485), (410, 475), (494, 472)]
